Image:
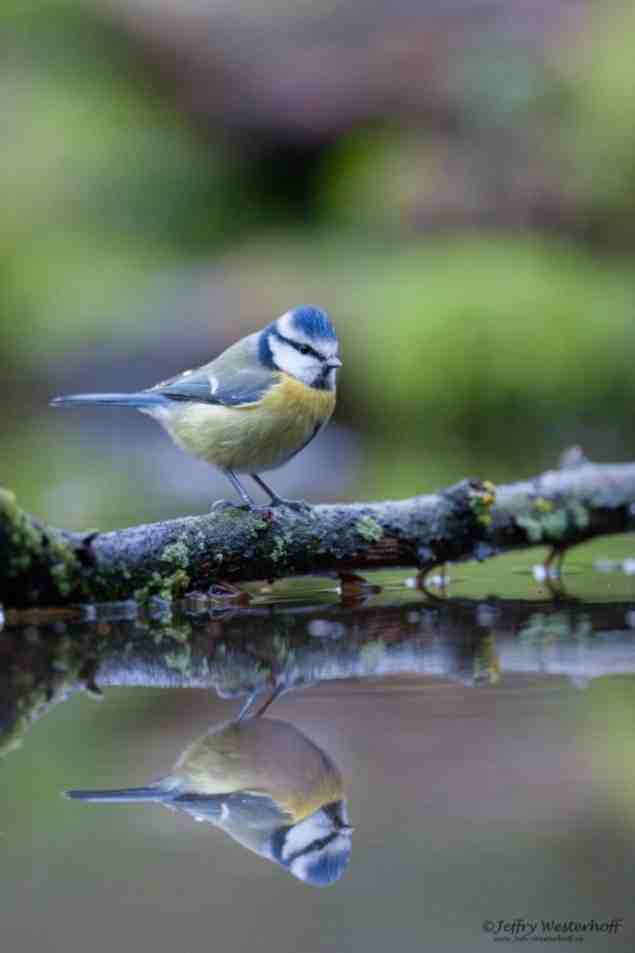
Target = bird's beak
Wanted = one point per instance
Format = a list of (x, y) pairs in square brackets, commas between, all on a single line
[(346, 828), (333, 362)]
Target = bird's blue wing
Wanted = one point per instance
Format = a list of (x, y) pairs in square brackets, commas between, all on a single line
[(246, 807), (233, 389), (236, 378)]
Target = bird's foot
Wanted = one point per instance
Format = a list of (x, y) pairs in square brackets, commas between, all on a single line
[(219, 506), (223, 506), (300, 506)]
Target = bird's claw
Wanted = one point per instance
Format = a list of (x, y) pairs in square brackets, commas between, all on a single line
[(222, 505), (300, 506)]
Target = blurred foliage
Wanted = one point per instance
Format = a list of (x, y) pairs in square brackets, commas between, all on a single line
[(611, 740), (102, 182), (598, 125), (499, 337)]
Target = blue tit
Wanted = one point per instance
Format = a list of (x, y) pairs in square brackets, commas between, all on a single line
[(265, 784), (254, 407)]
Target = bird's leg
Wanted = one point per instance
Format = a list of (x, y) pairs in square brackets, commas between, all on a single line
[(553, 563), (552, 567), (237, 485), (273, 496), (244, 711), (276, 693), (278, 500), (242, 714)]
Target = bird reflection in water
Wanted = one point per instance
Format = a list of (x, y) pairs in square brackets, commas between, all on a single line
[(265, 784)]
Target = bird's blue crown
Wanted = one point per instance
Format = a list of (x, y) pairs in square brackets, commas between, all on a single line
[(313, 322), (328, 868)]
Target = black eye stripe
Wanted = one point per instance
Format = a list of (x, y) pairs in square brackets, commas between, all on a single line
[(307, 349), (302, 348), (318, 844)]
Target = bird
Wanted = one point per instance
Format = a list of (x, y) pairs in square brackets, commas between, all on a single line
[(255, 406), (268, 786)]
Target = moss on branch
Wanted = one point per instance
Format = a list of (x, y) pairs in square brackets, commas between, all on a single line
[(40, 565)]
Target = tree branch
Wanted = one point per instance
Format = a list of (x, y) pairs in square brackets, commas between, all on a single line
[(41, 565)]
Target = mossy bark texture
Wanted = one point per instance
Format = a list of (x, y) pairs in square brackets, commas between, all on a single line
[(40, 565)]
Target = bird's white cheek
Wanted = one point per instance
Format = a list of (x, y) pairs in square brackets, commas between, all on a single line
[(306, 831), (324, 866), (290, 361)]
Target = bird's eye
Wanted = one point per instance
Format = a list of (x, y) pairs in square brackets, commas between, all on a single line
[(304, 349)]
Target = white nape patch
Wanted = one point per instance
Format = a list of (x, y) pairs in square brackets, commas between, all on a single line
[(213, 383), (326, 346), (299, 836), (305, 367), (224, 812)]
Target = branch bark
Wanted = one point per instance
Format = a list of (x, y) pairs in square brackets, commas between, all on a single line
[(41, 565)]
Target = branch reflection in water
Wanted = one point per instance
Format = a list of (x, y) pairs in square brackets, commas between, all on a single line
[(257, 778)]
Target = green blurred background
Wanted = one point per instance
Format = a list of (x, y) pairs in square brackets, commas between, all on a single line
[(454, 182)]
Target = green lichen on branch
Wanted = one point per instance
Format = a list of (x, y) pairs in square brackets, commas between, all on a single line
[(470, 520), (37, 555), (549, 521), (279, 550), (163, 587), (177, 554), (369, 529), (482, 499), (168, 585)]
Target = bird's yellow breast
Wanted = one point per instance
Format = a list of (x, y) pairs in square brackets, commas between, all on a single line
[(263, 756), (254, 437)]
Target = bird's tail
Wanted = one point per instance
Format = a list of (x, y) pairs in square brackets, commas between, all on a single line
[(123, 795), (141, 399)]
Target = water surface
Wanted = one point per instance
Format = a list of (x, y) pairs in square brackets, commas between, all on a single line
[(486, 748)]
